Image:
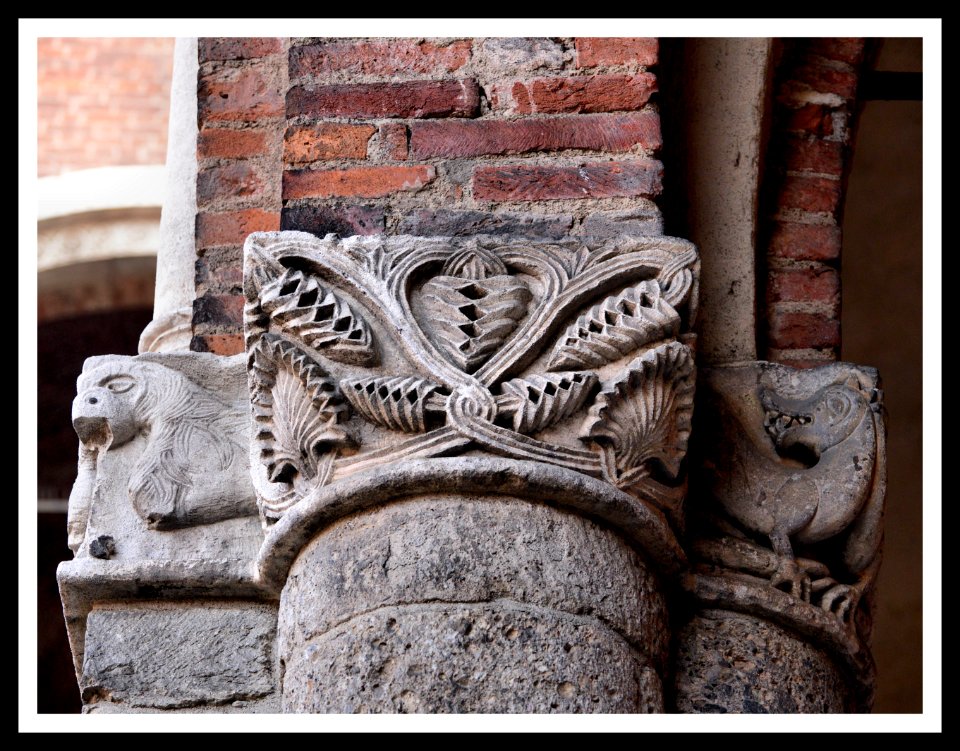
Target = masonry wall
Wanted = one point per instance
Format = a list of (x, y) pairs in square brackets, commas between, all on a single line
[(546, 138)]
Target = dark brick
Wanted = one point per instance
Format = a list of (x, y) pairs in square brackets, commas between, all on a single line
[(388, 57), (365, 182), (219, 271), (805, 242), (803, 330), (343, 220), (637, 222), (814, 155), (593, 51), (810, 194), (590, 180), (821, 78), (237, 48), (407, 99), (815, 119), (444, 222), (458, 138), (817, 284), (848, 50), (215, 311), (597, 93)]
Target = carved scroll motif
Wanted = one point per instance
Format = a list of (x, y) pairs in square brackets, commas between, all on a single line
[(472, 337)]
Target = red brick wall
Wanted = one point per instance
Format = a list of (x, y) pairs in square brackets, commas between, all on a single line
[(539, 137), (102, 102), (804, 182)]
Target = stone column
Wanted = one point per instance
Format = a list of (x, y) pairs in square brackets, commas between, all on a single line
[(170, 329), (468, 456)]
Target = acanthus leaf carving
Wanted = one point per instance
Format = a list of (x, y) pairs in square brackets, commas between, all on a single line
[(296, 408), (619, 325), (398, 403), (305, 309), (645, 415), (539, 401)]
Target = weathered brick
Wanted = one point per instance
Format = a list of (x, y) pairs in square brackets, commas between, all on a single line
[(429, 222), (810, 194), (366, 182), (640, 221), (805, 242), (512, 55), (593, 51), (814, 155), (228, 181), (597, 93), (799, 359), (458, 138), (790, 330), (811, 118), (238, 95), (224, 143), (406, 99), (386, 57), (232, 227), (344, 220), (589, 180), (237, 48), (849, 50), (219, 271), (215, 311), (395, 138), (218, 344), (326, 141), (820, 78), (818, 284)]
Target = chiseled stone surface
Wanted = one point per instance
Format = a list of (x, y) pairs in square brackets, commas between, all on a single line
[(176, 655), (453, 549), (728, 662), (493, 657)]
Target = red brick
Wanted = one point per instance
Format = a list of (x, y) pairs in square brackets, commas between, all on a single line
[(802, 330), (812, 118), (226, 181), (326, 141), (218, 344), (590, 180), (342, 220), (379, 57), (222, 143), (805, 155), (395, 138), (819, 284), (238, 95), (458, 138), (848, 50), (810, 194), (237, 48), (232, 227), (593, 51), (407, 99), (366, 182), (598, 93), (805, 242)]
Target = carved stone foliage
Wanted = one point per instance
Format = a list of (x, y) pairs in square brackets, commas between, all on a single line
[(789, 501), (191, 469), (367, 351)]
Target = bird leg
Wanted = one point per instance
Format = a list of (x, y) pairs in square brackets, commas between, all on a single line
[(788, 576)]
